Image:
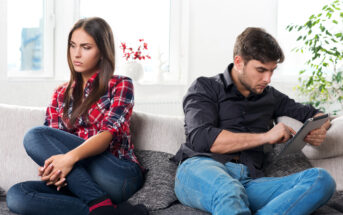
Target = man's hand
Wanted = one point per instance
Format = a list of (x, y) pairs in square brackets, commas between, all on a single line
[(55, 170), (316, 137), (279, 133)]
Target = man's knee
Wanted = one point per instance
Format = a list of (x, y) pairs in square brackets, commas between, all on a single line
[(323, 181), (209, 187)]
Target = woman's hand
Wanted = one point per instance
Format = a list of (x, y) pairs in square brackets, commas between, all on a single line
[(56, 168)]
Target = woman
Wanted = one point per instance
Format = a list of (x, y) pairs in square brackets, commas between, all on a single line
[(86, 158)]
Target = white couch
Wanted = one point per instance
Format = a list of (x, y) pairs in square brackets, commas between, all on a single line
[(149, 132)]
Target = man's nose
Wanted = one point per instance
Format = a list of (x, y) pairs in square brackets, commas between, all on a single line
[(267, 77)]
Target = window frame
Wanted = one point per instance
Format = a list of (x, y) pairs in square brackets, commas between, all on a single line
[(48, 50), (67, 12), (178, 41)]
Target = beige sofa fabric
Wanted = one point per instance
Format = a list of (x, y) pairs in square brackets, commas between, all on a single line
[(149, 132)]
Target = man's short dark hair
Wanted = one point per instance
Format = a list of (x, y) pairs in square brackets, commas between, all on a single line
[(257, 44)]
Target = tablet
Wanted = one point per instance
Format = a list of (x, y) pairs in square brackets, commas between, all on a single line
[(296, 143)]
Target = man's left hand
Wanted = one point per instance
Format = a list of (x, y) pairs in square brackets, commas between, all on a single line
[(316, 137)]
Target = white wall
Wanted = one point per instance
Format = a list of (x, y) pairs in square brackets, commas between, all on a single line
[(213, 27)]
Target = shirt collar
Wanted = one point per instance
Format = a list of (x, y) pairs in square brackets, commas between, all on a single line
[(227, 76), (228, 82), (92, 78)]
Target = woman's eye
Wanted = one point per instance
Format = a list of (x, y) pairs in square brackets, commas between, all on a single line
[(87, 47)]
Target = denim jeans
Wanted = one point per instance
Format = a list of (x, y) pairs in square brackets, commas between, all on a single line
[(89, 179), (208, 185)]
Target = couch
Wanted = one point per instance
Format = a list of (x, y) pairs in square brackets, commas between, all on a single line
[(156, 139)]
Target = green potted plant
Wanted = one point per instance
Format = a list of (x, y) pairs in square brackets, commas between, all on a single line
[(322, 36)]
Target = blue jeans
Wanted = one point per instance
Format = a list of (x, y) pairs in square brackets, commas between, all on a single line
[(208, 185), (89, 179)]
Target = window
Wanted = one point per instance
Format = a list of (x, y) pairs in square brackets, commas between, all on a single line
[(33, 34), (132, 20), (29, 39)]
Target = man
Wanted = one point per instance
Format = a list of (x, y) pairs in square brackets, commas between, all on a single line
[(228, 121)]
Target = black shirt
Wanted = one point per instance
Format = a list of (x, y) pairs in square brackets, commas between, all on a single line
[(213, 104)]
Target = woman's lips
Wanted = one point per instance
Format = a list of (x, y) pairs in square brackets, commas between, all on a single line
[(77, 63)]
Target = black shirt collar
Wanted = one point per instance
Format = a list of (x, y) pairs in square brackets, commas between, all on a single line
[(227, 77), (228, 82)]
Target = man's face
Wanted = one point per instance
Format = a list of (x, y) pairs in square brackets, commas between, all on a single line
[(255, 76)]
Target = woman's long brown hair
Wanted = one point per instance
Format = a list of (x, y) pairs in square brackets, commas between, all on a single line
[(102, 34)]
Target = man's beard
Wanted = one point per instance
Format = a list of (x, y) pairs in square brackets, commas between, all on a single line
[(245, 84)]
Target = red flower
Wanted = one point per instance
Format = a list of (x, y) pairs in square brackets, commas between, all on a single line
[(123, 46), (139, 54)]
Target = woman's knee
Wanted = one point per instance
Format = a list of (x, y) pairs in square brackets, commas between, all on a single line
[(15, 199), (31, 138), (119, 186)]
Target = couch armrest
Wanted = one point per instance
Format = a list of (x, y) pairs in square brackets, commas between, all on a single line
[(332, 145), (15, 164)]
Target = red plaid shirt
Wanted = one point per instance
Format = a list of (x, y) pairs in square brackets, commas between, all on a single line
[(112, 112)]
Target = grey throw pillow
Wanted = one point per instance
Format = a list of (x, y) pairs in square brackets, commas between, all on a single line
[(287, 165), (158, 189), (2, 193)]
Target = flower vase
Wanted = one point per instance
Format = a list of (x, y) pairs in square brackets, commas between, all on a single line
[(134, 70)]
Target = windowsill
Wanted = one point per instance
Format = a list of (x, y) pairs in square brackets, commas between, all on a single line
[(32, 79), (160, 83)]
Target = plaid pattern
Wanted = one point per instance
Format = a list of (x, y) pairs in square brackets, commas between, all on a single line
[(111, 113)]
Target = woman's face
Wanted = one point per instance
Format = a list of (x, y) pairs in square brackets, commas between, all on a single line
[(84, 53)]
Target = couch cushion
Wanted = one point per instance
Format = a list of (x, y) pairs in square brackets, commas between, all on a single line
[(287, 165), (157, 133), (158, 189), (332, 146), (2, 193), (179, 209)]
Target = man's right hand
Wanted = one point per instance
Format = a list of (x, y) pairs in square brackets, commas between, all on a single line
[(279, 133)]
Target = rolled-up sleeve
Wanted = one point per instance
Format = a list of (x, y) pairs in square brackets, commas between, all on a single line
[(201, 115), (51, 114), (117, 117)]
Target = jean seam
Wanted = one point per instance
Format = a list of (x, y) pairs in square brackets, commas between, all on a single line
[(34, 195), (304, 194)]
